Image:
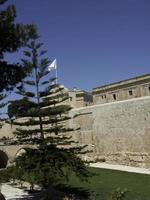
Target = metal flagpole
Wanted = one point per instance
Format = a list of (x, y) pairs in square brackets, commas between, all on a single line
[(56, 73), (56, 76)]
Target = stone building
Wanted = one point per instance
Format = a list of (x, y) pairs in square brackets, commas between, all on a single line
[(127, 89), (80, 98), (116, 132), (114, 122), (117, 125)]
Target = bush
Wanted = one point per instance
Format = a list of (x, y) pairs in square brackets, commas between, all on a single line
[(118, 194)]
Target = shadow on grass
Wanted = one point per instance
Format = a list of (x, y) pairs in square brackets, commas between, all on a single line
[(76, 192), (36, 195), (58, 193)]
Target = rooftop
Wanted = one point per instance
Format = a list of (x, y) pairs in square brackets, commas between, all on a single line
[(124, 82)]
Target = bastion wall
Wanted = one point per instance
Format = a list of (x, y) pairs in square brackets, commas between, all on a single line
[(117, 133)]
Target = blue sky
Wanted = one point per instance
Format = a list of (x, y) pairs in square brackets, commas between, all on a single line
[(95, 41)]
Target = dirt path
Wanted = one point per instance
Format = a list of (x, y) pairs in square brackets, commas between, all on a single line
[(11, 192), (121, 168)]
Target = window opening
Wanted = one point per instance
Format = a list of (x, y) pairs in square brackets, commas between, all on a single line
[(103, 96), (130, 92), (114, 96)]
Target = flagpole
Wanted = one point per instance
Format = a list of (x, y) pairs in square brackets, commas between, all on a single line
[(56, 73), (56, 76)]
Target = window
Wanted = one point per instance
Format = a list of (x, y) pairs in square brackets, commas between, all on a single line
[(70, 98), (103, 96), (130, 92), (149, 89), (114, 96)]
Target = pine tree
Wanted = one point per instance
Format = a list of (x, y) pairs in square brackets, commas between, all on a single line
[(13, 36), (44, 125)]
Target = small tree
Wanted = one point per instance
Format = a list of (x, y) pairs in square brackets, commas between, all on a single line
[(44, 125)]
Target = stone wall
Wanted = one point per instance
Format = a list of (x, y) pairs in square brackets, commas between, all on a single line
[(117, 132), (123, 90), (80, 98)]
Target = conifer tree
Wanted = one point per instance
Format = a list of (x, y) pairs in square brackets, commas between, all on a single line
[(43, 124), (13, 36)]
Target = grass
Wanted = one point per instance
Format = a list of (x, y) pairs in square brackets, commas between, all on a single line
[(104, 181)]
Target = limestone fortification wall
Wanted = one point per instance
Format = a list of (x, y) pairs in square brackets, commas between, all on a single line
[(117, 132)]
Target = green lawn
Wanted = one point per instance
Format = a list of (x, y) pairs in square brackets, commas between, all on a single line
[(105, 181)]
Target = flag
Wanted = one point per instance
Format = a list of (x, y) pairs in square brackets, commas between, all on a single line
[(52, 66)]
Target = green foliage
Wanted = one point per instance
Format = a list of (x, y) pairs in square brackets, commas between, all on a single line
[(19, 107), (12, 37), (118, 194), (11, 74), (48, 165), (4, 176), (43, 122)]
